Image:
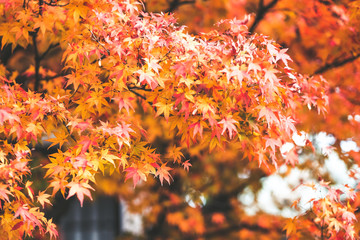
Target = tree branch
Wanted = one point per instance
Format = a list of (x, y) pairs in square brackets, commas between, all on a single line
[(137, 94), (54, 4), (261, 12), (41, 3), (37, 62), (335, 64), (52, 46), (175, 4), (252, 227), (52, 77)]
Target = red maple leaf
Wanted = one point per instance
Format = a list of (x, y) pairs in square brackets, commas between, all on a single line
[(269, 115), (186, 165), (135, 174)]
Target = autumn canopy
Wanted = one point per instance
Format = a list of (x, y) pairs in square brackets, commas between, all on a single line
[(117, 93)]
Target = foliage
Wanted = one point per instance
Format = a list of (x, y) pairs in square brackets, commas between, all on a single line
[(323, 38), (137, 96)]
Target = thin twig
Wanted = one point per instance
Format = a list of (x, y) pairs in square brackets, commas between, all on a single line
[(96, 39), (166, 55)]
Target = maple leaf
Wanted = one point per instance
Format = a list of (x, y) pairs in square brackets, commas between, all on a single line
[(6, 116), (186, 165), (123, 161), (238, 73), (271, 48), (273, 143), (27, 216), (108, 157), (183, 68), (335, 224), (4, 193), (350, 232), (80, 189), (74, 80), (147, 77), (29, 189), (41, 25), (281, 55), (270, 76), (51, 229), (269, 115), (334, 194), (153, 65), (290, 226), (58, 184), (87, 143), (125, 103), (17, 225), (228, 124), (291, 156), (348, 216), (60, 138), (43, 198), (164, 108), (227, 73), (288, 124), (254, 67), (163, 173), (198, 128), (135, 174), (175, 153), (122, 131)]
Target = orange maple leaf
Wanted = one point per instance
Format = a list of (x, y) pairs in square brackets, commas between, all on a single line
[(163, 173), (80, 189)]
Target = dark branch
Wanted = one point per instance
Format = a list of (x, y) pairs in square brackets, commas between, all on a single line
[(353, 101), (37, 63), (175, 4), (143, 88), (237, 227), (261, 12), (41, 2), (54, 4), (137, 94), (335, 64), (52, 46), (47, 78), (165, 56), (97, 60)]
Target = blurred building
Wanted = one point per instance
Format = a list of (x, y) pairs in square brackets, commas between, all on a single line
[(105, 218)]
